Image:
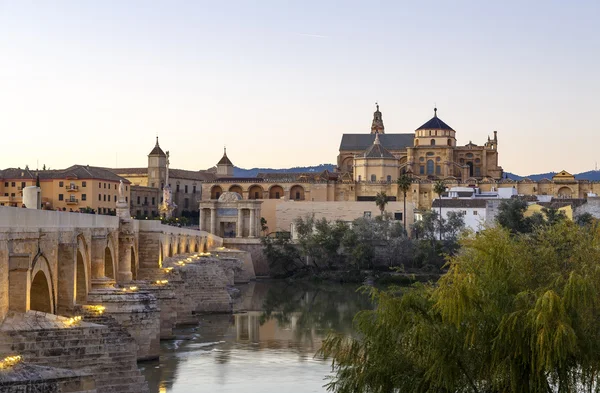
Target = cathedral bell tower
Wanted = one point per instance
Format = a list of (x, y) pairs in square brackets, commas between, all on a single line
[(157, 167), (377, 125), (225, 166)]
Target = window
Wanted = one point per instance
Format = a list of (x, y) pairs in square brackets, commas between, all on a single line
[(6, 194), (421, 170), (145, 200), (100, 197), (438, 170), (12, 184), (126, 199), (153, 201), (433, 142), (373, 178), (256, 195), (430, 167), (367, 214), (126, 188), (449, 142), (99, 185), (152, 184), (114, 198), (138, 200), (398, 216), (83, 197), (297, 196), (193, 189), (177, 188), (115, 186), (474, 212), (22, 184), (104, 197), (5, 184), (12, 194), (186, 189), (389, 178), (83, 184), (477, 171), (60, 197)]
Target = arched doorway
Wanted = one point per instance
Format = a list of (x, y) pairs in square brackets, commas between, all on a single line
[(81, 283), (255, 192), (215, 192), (275, 192), (297, 193), (564, 192), (470, 165), (109, 270), (133, 265), (236, 188), (40, 294)]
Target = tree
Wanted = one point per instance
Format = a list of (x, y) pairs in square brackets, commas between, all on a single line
[(439, 188), (584, 219), (515, 313), (511, 215), (381, 201), (404, 183), (263, 225)]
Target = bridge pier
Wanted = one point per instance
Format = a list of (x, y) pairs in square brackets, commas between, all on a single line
[(126, 243)]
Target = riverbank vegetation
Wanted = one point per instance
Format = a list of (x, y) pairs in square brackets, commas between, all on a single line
[(517, 311), (344, 250)]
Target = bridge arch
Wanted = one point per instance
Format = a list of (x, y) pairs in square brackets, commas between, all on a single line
[(41, 293), (133, 264), (81, 271)]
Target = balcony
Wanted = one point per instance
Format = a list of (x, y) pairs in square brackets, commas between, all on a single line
[(72, 201), (71, 188)]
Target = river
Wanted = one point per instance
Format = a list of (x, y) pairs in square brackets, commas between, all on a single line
[(268, 345)]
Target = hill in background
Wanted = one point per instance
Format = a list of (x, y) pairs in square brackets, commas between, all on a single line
[(240, 172)]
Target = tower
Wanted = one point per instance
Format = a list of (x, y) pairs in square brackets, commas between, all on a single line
[(225, 166), (157, 167), (377, 125)]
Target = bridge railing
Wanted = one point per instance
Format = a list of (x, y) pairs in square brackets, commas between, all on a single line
[(20, 218)]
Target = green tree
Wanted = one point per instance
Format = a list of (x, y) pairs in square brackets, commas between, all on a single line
[(263, 225), (584, 219), (381, 200), (439, 188), (404, 183), (515, 313), (511, 215)]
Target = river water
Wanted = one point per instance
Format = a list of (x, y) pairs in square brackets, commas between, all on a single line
[(268, 345)]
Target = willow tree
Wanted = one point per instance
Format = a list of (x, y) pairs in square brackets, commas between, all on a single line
[(513, 314)]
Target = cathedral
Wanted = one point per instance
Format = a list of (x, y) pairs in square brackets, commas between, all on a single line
[(431, 152)]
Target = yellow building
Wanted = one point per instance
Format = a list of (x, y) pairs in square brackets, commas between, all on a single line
[(77, 188)]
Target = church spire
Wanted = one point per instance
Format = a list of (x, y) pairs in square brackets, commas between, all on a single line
[(377, 125)]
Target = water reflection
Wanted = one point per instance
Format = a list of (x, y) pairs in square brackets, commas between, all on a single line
[(267, 345)]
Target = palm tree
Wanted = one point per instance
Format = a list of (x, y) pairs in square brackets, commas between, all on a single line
[(439, 188), (404, 183), (381, 201)]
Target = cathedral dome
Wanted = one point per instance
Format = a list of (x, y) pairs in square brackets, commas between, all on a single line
[(435, 123)]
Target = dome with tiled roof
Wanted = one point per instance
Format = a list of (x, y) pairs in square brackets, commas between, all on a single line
[(435, 123), (225, 160), (376, 150)]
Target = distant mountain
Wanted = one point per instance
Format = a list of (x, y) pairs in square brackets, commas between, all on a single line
[(589, 175), (240, 172)]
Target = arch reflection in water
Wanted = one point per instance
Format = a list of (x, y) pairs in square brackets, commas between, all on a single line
[(266, 346)]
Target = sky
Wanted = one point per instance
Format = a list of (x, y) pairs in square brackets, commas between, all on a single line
[(279, 82)]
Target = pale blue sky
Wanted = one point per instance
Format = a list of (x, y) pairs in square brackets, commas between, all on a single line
[(93, 82)]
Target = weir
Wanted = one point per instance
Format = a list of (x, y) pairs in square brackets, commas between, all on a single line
[(84, 297)]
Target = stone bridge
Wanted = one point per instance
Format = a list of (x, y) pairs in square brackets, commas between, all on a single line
[(83, 297), (50, 261)]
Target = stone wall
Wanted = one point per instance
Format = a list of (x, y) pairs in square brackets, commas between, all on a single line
[(592, 206), (26, 378), (254, 248), (3, 276)]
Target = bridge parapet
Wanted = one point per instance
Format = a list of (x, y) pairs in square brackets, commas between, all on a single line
[(22, 220)]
